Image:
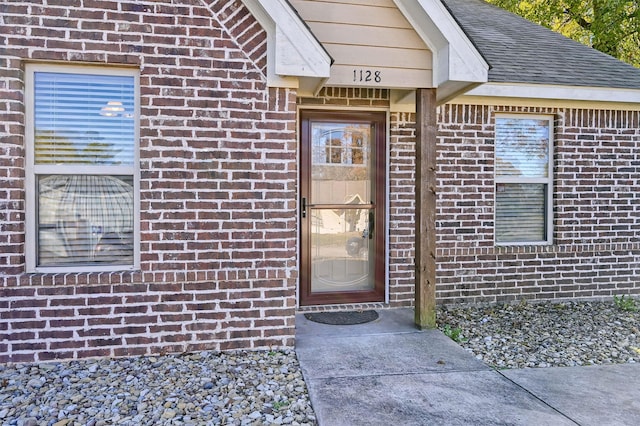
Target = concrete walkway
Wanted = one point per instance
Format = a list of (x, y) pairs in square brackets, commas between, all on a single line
[(388, 373)]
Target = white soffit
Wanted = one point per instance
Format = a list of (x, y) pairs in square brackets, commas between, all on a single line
[(293, 53), (457, 64), (550, 92)]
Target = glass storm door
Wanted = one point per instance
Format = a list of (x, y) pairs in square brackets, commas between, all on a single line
[(342, 203)]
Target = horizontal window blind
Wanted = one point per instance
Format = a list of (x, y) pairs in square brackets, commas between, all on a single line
[(520, 212), (85, 218), (82, 168), (84, 119)]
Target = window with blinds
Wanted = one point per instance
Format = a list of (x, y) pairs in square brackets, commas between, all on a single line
[(82, 151), (523, 179)]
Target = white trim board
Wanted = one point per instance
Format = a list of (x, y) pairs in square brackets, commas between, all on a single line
[(548, 95), (292, 51), (457, 64)]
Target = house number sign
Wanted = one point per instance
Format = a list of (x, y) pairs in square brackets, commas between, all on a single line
[(362, 75)]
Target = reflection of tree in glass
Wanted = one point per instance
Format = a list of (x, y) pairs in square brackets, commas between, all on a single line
[(506, 167), (522, 147), (51, 148), (357, 154), (334, 151), (352, 216), (342, 145), (347, 148)]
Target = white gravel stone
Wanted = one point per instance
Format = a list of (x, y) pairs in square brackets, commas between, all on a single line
[(259, 387), (233, 388), (546, 334)]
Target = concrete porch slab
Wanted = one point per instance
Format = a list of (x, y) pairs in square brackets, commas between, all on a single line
[(388, 372), (451, 398), (594, 395)]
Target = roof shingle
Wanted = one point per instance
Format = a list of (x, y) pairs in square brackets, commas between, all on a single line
[(519, 51)]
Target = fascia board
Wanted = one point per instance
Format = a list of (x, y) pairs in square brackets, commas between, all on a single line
[(551, 92), (452, 89), (292, 51), (455, 57)]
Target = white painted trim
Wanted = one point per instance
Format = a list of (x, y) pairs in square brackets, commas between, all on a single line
[(31, 169), (456, 61), (292, 50), (29, 179), (402, 100), (515, 179), (387, 208), (549, 92)]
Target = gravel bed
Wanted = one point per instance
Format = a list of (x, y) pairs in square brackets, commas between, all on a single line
[(546, 334), (267, 388), (231, 388)]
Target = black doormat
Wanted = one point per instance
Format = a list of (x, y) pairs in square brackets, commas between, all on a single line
[(342, 317)]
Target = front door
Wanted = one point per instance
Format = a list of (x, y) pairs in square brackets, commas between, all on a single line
[(342, 207)]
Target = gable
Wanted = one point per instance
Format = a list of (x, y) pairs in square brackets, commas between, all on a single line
[(400, 45), (371, 42)]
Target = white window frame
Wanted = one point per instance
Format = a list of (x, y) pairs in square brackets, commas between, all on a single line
[(528, 180), (32, 170)]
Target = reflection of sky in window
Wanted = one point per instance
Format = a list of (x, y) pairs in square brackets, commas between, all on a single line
[(72, 125), (522, 147)]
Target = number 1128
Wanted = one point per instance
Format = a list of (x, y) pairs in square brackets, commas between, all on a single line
[(367, 75)]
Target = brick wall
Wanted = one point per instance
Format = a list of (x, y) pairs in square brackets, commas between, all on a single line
[(596, 239), (402, 195), (218, 185), (218, 195)]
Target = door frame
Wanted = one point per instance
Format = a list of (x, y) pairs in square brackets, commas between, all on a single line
[(379, 119)]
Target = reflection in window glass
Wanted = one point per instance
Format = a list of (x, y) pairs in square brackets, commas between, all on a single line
[(522, 147), (83, 163), (85, 219), (333, 148), (342, 250), (523, 179), (340, 166), (84, 119), (357, 148)]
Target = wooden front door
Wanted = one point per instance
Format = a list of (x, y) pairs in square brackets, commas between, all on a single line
[(342, 200)]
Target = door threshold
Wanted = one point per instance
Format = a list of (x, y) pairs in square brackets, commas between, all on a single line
[(346, 307)]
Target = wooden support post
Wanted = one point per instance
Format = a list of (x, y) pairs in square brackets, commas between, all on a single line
[(426, 134)]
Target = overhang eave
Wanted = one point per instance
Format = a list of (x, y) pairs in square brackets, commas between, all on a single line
[(293, 53)]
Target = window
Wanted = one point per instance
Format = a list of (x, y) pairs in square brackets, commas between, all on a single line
[(523, 179), (82, 185)]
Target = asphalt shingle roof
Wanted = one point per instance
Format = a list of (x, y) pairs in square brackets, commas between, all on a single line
[(519, 51)]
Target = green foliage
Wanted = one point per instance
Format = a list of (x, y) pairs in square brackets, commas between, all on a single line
[(277, 405), (610, 26), (454, 334), (625, 303), (54, 149)]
